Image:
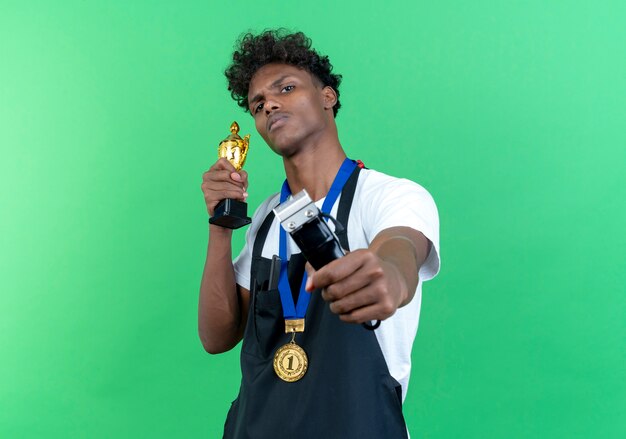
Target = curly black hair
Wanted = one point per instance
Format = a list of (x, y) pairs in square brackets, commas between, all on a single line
[(255, 51)]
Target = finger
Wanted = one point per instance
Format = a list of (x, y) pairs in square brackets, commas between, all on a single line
[(222, 187), (366, 314), (220, 175), (235, 176), (210, 207), (211, 203), (218, 195), (220, 180), (337, 270), (212, 200), (354, 301), (223, 164), (310, 271), (244, 179), (348, 285)]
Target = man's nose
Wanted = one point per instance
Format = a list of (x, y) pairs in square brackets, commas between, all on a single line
[(270, 106)]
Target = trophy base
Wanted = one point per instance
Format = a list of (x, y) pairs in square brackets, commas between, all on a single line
[(231, 214)]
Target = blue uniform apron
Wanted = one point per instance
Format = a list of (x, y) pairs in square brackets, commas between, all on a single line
[(347, 391)]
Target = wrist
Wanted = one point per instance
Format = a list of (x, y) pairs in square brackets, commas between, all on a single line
[(220, 232), (396, 283)]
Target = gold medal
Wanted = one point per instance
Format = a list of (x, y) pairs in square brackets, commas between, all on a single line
[(290, 360)]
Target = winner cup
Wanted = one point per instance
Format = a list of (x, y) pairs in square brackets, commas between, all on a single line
[(230, 213)]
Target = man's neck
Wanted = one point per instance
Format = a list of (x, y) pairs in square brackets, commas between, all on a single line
[(314, 170)]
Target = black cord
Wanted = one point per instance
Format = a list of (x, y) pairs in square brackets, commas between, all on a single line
[(338, 227), (371, 327)]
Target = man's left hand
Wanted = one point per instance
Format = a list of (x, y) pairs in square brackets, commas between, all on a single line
[(359, 287), (371, 284)]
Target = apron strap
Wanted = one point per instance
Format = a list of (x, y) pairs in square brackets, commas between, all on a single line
[(345, 203), (259, 241), (343, 212)]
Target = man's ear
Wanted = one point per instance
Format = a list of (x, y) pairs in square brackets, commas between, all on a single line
[(330, 97)]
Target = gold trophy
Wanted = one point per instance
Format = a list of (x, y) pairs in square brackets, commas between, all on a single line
[(230, 213)]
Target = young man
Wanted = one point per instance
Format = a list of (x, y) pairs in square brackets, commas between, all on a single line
[(355, 380)]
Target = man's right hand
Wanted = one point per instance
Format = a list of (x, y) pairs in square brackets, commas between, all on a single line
[(222, 181), (223, 305)]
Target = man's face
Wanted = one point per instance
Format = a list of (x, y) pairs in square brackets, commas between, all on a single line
[(289, 107)]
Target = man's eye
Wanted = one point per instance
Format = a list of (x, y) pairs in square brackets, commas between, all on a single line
[(287, 88), (258, 108)]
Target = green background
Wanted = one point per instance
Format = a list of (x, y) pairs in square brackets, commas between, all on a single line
[(511, 113)]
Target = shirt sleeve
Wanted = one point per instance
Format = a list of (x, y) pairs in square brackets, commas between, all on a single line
[(395, 202), (243, 262)]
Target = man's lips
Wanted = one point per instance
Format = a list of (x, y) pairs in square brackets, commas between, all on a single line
[(275, 121)]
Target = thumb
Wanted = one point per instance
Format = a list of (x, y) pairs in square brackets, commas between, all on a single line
[(310, 271)]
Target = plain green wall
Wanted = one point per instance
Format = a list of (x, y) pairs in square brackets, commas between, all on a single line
[(511, 113)]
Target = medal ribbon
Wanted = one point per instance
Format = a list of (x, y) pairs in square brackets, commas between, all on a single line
[(291, 311)]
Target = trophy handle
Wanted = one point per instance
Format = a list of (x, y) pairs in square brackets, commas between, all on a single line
[(244, 150)]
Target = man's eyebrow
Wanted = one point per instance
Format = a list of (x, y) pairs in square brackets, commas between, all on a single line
[(273, 85)]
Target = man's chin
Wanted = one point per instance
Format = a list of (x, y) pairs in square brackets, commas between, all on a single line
[(284, 149)]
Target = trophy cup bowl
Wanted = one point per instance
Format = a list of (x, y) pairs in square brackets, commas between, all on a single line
[(230, 213)]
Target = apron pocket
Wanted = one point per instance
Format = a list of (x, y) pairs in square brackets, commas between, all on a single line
[(268, 321)]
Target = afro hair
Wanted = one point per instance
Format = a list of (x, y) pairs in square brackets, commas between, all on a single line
[(276, 46)]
